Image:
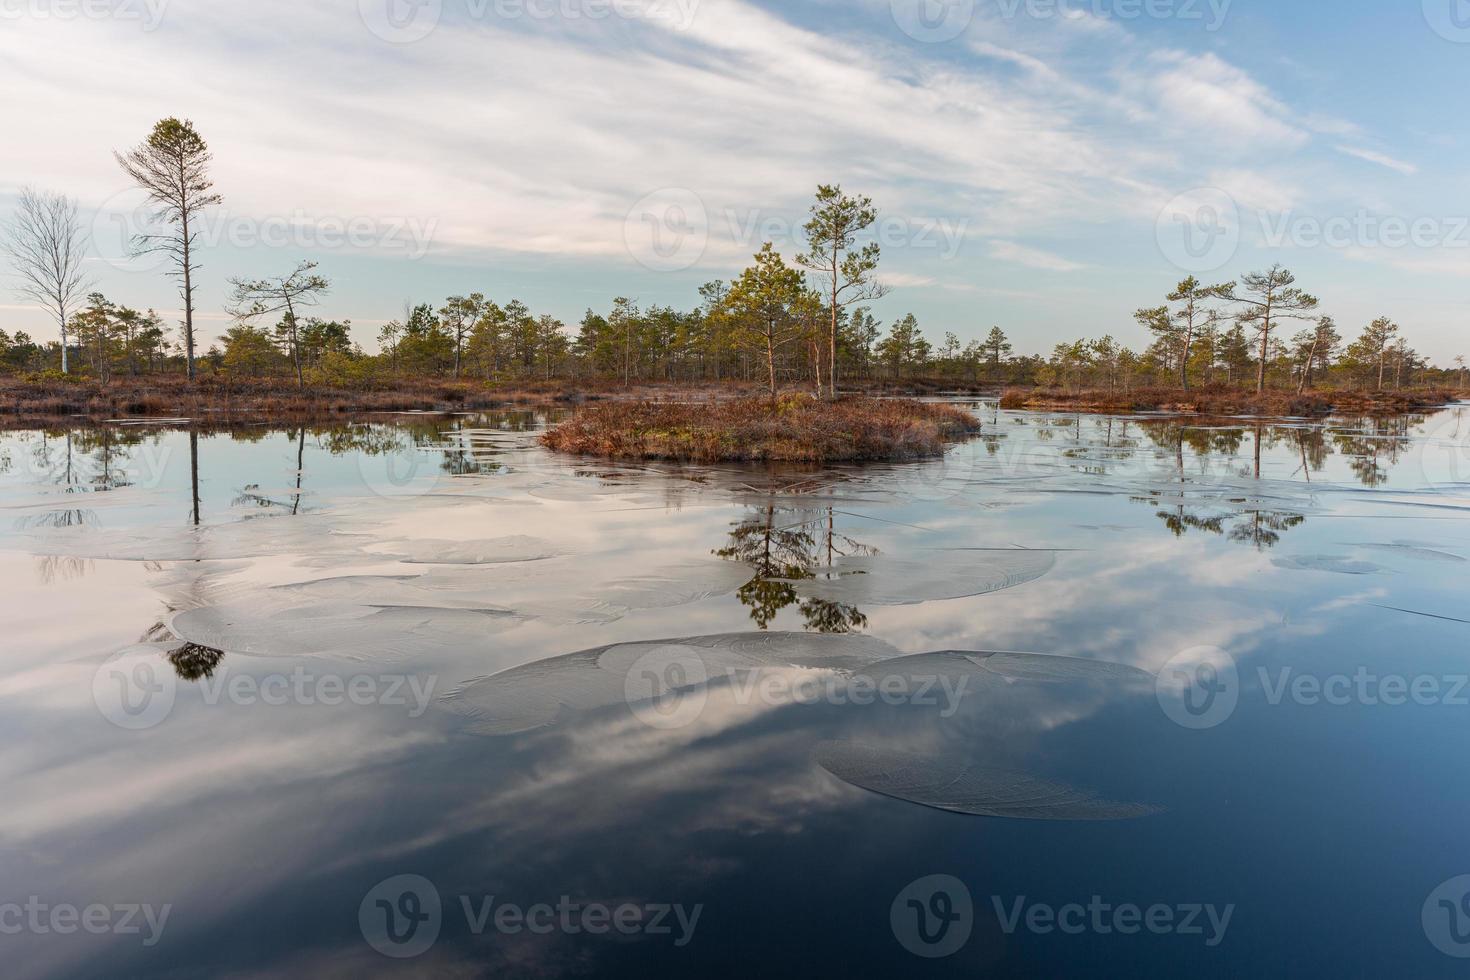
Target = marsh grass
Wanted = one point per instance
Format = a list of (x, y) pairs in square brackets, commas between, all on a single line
[(1226, 400), (44, 398), (795, 428)]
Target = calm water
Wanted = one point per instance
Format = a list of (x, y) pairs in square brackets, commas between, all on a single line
[(1208, 715)]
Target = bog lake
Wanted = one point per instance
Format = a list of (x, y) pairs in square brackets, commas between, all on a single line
[(414, 696)]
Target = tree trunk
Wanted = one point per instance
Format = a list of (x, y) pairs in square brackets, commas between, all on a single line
[(771, 364), (1184, 358), (1307, 370), (193, 471), (832, 364), (1261, 371), (188, 294), (295, 344)]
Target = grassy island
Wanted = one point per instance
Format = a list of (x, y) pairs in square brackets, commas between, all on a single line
[(795, 428), (1228, 400)]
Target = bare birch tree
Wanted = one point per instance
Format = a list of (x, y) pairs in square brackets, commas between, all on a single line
[(46, 248)]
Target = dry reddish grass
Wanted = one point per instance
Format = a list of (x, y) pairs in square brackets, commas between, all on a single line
[(24, 401), (32, 400), (1226, 400), (797, 428)]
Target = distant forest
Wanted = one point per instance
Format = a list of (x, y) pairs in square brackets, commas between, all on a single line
[(805, 322)]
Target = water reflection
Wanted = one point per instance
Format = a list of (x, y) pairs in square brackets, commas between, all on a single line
[(786, 546), (1038, 537), (193, 662)]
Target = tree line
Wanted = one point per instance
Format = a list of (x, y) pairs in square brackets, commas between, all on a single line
[(807, 321)]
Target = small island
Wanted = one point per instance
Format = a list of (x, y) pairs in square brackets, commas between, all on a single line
[(793, 428)]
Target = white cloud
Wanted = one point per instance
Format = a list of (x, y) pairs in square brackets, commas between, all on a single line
[(907, 279), (1033, 257), (529, 140), (1382, 159), (1256, 191), (1214, 98)]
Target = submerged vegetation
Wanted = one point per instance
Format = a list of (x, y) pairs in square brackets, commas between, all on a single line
[(796, 428)]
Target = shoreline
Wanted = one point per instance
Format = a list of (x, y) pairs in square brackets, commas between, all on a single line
[(134, 400), (223, 404), (1220, 400)]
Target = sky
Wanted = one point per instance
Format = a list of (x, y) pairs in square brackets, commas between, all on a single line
[(1048, 166)]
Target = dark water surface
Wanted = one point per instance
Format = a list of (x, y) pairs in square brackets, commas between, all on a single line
[(1091, 696)]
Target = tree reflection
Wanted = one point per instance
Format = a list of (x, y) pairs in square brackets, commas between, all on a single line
[(1372, 446), (252, 495), (1233, 518), (193, 662), (786, 552)]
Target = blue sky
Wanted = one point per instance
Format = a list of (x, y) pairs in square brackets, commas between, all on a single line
[(1045, 165)]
